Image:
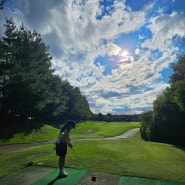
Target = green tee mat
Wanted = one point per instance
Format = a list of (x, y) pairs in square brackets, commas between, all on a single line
[(74, 176), (171, 183), (144, 181)]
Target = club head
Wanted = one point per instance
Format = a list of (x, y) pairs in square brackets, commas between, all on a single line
[(94, 178)]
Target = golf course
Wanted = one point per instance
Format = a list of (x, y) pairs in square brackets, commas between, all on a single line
[(125, 157)]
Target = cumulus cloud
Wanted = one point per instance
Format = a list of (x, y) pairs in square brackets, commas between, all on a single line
[(164, 27), (79, 32)]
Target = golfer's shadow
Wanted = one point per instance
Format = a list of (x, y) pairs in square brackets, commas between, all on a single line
[(54, 180)]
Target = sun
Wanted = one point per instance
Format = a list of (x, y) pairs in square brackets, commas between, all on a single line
[(124, 53)]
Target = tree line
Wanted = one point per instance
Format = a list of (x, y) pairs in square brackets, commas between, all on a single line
[(29, 89), (166, 122), (114, 118)]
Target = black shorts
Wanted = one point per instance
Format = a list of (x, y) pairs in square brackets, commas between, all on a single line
[(61, 149)]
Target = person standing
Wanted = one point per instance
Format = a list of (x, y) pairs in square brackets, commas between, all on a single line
[(61, 145)]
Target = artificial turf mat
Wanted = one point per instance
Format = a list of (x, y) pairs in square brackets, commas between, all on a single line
[(74, 176), (171, 183), (137, 181), (144, 181)]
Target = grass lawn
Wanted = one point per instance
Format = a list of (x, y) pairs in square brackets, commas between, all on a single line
[(83, 130), (102, 129), (132, 157), (45, 133)]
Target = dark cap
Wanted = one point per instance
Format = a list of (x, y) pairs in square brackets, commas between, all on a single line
[(72, 123)]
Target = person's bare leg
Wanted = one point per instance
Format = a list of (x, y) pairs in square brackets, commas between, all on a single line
[(61, 166), (61, 162)]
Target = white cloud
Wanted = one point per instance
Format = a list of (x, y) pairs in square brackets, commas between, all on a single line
[(109, 49), (137, 51), (164, 27), (78, 33)]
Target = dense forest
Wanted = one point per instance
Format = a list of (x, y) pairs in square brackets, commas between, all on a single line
[(166, 122), (28, 87)]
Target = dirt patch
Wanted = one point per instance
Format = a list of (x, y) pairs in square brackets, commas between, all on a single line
[(100, 179)]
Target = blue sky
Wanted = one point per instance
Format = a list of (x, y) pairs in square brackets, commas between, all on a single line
[(118, 53)]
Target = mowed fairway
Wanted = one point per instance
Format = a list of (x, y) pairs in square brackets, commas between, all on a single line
[(102, 129), (132, 156)]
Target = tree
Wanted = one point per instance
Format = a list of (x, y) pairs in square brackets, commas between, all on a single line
[(2, 66), (177, 81), (167, 118), (77, 105), (54, 110), (2, 4), (28, 89), (100, 117), (166, 122), (109, 117), (146, 119)]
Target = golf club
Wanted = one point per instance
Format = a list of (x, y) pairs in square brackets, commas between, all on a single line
[(93, 177)]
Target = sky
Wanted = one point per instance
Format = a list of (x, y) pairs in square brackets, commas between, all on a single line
[(118, 52)]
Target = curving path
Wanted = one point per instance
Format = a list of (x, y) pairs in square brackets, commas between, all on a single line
[(127, 134), (11, 147)]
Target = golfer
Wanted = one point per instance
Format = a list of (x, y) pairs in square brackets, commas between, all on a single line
[(61, 145)]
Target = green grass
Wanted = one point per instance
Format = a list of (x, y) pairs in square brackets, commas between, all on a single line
[(102, 129), (83, 130), (45, 133), (132, 157)]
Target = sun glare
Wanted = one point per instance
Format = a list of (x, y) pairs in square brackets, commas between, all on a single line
[(124, 53)]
